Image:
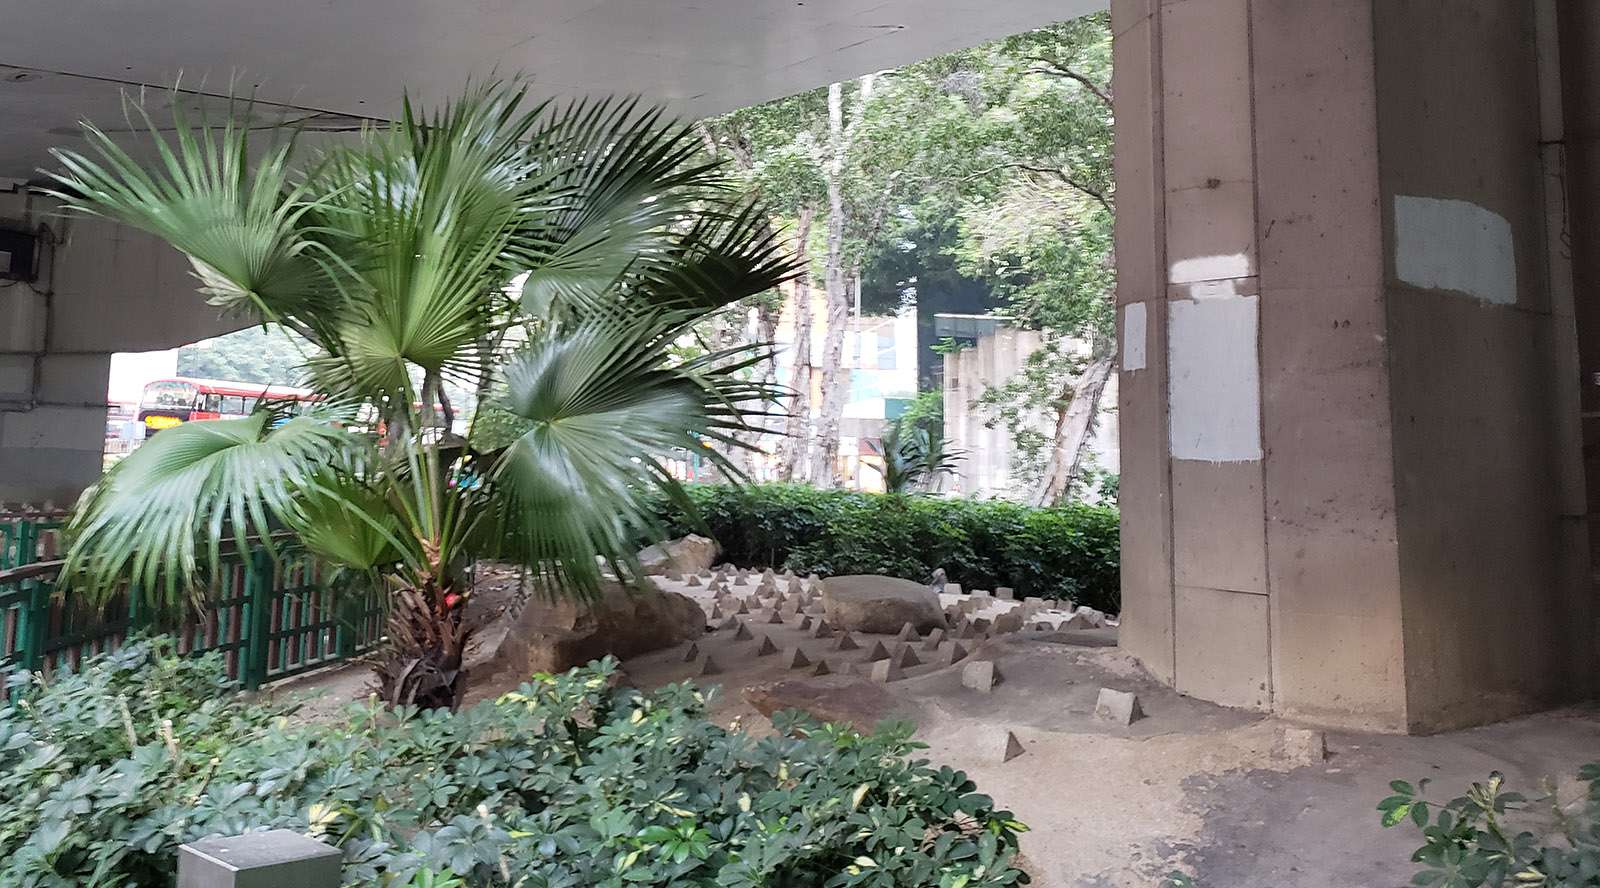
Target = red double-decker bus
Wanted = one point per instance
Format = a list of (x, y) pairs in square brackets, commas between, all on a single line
[(168, 402)]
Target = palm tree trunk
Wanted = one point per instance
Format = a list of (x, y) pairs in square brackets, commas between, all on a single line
[(422, 662)]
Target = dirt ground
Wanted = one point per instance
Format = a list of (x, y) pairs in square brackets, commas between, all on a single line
[(1228, 796)]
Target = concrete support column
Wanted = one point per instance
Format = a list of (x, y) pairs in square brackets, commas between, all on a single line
[(1343, 431)]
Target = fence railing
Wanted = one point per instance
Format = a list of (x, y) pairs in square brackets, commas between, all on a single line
[(27, 536), (270, 618)]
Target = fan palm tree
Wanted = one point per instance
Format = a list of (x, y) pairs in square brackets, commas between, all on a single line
[(549, 254), (914, 460)]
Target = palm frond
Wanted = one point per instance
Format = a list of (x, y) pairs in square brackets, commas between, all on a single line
[(197, 483)]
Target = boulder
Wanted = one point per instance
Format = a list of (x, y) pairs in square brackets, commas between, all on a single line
[(880, 604), (556, 635), (688, 555)]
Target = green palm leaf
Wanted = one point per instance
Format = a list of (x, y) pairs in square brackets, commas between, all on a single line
[(200, 481)]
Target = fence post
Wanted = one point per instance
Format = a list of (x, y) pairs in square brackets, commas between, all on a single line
[(27, 545), (33, 624), (258, 572)]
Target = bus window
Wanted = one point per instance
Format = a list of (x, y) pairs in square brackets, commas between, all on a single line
[(170, 395), (213, 403), (250, 405), (233, 405)]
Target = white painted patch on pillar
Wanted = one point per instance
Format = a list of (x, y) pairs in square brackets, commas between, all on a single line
[(1455, 245), (1133, 337), (1214, 379), (1209, 268)]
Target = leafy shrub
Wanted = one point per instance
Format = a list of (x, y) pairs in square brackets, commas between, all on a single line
[(1067, 551), (1493, 837), (564, 783)]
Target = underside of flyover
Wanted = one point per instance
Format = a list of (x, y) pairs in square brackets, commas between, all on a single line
[(1359, 289)]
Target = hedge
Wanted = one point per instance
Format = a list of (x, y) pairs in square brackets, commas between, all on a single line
[(1069, 551)]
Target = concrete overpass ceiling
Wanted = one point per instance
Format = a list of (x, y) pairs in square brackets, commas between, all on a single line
[(69, 59)]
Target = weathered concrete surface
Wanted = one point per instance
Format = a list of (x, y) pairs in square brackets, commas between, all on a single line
[(1343, 207)]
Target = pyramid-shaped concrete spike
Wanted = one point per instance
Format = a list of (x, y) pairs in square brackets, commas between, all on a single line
[(878, 652), (846, 643), (741, 580), (821, 668), (813, 579), (907, 633), (766, 647), (796, 587), (906, 657), (885, 671), (691, 580), (822, 630), (796, 659), (743, 634), (788, 573), (692, 654), (953, 654), (768, 574), (709, 666), (935, 638), (775, 618), (805, 623), (730, 623), (717, 615), (743, 608), (1013, 748), (968, 632)]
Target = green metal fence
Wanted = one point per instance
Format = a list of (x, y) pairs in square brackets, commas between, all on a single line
[(270, 619), (29, 536)]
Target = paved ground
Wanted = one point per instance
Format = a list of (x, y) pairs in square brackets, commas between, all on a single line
[(1213, 791)]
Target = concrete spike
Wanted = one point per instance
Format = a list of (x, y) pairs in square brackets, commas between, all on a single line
[(744, 608), (692, 580), (906, 658), (1013, 748), (821, 668), (935, 638), (741, 580), (980, 675), (767, 647), (1118, 707), (805, 623), (821, 629), (730, 623), (796, 659), (846, 643), (775, 619), (885, 671), (743, 634), (1005, 592), (692, 654), (709, 666), (878, 652), (907, 633), (953, 654)]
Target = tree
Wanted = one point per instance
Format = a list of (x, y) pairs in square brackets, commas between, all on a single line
[(268, 356), (396, 257)]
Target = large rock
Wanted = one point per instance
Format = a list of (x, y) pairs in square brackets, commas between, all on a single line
[(880, 604), (553, 636), (688, 555)]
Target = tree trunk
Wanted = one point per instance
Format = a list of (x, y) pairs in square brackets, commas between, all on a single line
[(825, 456), (1074, 424), (794, 449), (421, 663)]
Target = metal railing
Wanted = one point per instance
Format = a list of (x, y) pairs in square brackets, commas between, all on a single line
[(270, 618)]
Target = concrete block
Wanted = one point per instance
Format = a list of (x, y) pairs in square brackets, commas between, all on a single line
[(1011, 622), (1117, 707), (952, 588), (805, 623), (1302, 746), (766, 647), (885, 671), (744, 607), (741, 580), (980, 675), (1005, 593), (271, 859)]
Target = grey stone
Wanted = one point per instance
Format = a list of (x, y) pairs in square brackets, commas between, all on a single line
[(690, 554), (554, 634), (980, 675), (1005, 592), (767, 647), (1302, 746), (796, 659), (257, 860), (730, 623), (1010, 622), (880, 605), (935, 638), (1117, 707)]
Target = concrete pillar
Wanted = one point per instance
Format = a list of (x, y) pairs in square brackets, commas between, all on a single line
[(1344, 435), (102, 288)]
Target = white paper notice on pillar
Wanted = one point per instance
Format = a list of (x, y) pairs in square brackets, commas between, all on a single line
[(1214, 379), (1133, 337)]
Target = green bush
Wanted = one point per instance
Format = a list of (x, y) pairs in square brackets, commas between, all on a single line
[(1068, 551), (565, 783), (1494, 837)]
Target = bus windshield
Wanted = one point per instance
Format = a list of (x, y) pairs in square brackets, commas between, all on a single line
[(170, 394)]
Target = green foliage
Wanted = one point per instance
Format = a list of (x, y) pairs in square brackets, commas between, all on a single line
[(265, 355), (914, 460), (564, 782), (1493, 837), (1069, 551)]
